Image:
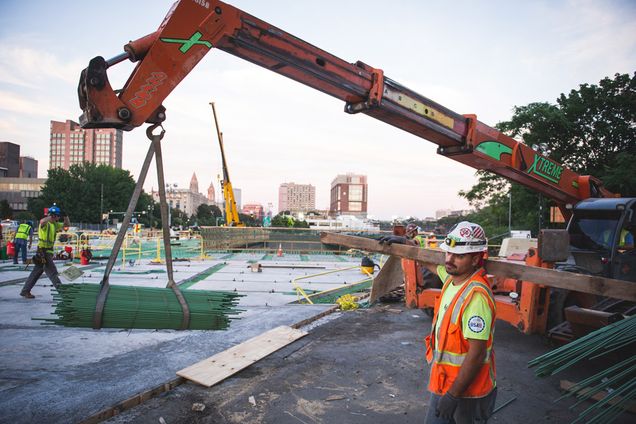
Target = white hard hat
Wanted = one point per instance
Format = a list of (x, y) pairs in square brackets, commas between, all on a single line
[(465, 237)]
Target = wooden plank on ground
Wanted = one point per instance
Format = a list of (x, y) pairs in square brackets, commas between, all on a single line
[(389, 278), (609, 287), (222, 365)]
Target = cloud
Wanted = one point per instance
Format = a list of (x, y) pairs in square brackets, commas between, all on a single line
[(29, 67)]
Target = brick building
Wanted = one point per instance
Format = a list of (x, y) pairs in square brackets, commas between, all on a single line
[(349, 196)]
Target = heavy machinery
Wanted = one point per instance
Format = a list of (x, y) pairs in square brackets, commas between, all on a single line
[(231, 212), (193, 28)]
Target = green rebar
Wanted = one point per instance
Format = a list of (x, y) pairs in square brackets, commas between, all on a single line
[(143, 307)]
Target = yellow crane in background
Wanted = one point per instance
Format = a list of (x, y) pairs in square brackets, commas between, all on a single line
[(231, 212)]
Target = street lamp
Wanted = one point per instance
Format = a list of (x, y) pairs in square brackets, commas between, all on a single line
[(151, 214), (170, 189)]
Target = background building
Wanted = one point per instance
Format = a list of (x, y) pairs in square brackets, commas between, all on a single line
[(186, 200), (71, 144), (9, 159), (296, 197), (349, 196), (15, 166), (253, 209), (18, 191), (211, 195), (28, 167)]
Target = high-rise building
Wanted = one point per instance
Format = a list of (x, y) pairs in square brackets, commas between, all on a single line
[(349, 195), (296, 197), (9, 159), (72, 144)]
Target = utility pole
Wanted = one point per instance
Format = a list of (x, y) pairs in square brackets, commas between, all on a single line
[(510, 211)]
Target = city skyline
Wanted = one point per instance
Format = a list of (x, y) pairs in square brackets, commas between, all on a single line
[(520, 52)]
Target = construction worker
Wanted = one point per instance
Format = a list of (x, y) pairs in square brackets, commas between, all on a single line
[(43, 259), (24, 233), (460, 346), (413, 237)]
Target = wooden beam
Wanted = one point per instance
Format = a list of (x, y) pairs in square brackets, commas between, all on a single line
[(609, 287)]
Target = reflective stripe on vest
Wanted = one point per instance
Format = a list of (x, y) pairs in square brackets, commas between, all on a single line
[(23, 231), (456, 359), (46, 235)]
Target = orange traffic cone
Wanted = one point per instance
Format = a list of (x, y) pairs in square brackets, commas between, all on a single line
[(280, 250)]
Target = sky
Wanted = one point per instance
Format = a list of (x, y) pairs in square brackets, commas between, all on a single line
[(481, 57)]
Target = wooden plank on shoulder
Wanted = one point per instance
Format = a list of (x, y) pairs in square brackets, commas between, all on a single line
[(593, 284), (224, 364)]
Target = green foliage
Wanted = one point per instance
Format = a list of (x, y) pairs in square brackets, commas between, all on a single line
[(249, 220), (78, 192), (23, 216), (207, 215), (281, 220), (298, 223), (284, 220), (591, 130), (5, 209)]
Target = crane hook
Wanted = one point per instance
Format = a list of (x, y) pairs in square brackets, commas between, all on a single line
[(151, 129)]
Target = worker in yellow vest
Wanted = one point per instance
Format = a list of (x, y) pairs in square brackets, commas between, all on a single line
[(412, 234), (43, 259), (24, 233), (460, 346)]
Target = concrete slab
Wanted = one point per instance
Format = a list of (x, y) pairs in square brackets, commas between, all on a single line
[(58, 375), (364, 367)]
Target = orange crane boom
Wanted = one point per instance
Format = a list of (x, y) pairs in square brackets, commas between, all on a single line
[(192, 29)]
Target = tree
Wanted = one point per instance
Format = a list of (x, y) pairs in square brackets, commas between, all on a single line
[(590, 130), (86, 190), (5, 209), (207, 214), (282, 220), (250, 220)]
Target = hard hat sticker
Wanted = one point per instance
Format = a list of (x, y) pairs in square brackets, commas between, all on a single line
[(476, 324)]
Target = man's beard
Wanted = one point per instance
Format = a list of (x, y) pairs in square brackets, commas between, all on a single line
[(451, 269)]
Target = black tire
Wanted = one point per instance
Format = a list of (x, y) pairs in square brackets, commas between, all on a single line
[(561, 299)]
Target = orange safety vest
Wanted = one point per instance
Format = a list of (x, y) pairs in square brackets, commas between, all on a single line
[(447, 358)]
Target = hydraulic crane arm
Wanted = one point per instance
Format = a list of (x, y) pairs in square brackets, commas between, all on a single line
[(193, 27)]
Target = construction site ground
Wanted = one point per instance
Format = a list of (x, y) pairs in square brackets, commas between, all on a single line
[(364, 366)]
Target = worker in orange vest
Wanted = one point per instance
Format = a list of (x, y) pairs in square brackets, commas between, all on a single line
[(460, 346)]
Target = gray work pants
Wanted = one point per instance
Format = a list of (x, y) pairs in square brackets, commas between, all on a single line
[(51, 272), (469, 410)]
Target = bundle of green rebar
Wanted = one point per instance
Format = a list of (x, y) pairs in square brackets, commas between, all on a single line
[(616, 384), (143, 307)]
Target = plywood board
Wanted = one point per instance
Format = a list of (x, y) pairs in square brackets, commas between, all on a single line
[(222, 365), (389, 278)]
